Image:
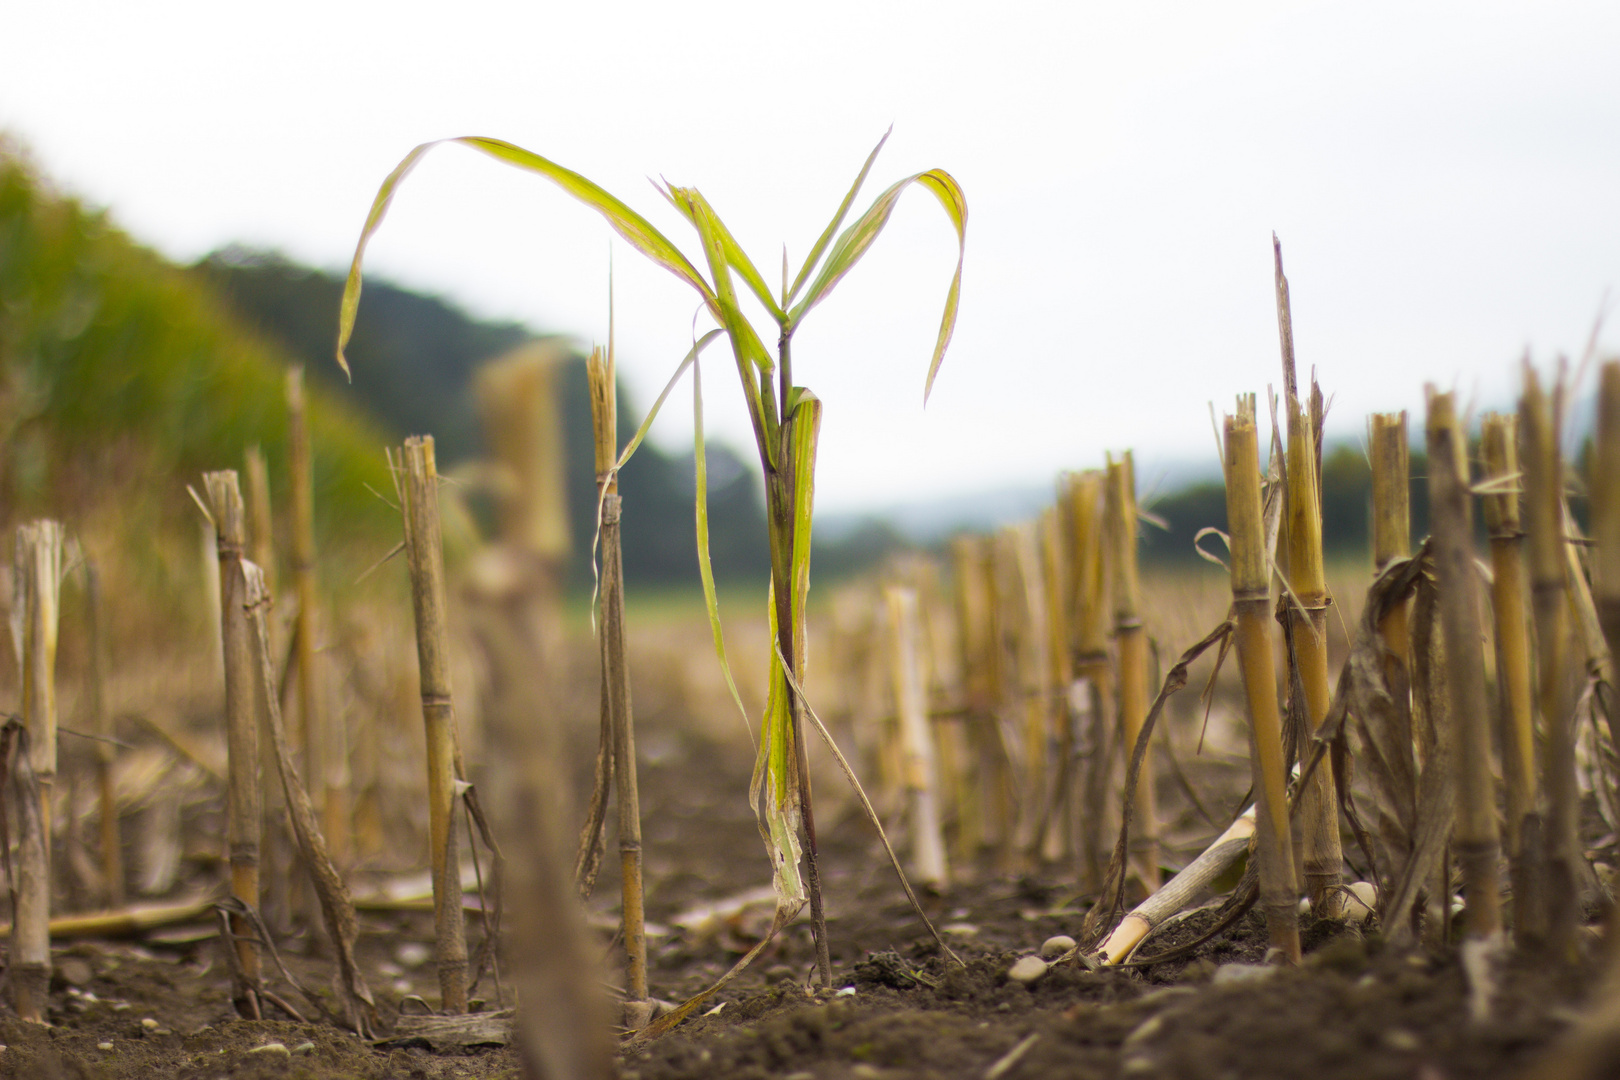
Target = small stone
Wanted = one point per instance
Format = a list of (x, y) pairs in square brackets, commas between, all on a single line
[(1228, 974), (847, 991), (1402, 1041), (960, 929), (104, 1046), (1146, 1030), (1028, 970), (1055, 946), (120, 1006), (272, 1050), (304, 1048), (74, 970), (148, 1024)]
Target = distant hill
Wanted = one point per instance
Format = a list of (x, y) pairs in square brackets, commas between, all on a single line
[(414, 358)]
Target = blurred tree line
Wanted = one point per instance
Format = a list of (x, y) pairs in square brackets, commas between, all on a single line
[(414, 358)]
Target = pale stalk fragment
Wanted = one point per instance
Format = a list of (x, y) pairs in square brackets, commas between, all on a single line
[(261, 519), (1178, 892), (1544, 526), (1516, 708), (1321, 855), (1130, 639), (417, 477), (244, 815), (1251, 608), (616, 685), (1474, 835), (911, 704)]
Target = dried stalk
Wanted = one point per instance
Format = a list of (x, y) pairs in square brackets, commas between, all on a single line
[(1605, 488), (261, 518), (28, 964), (1089, 624), (337, 908), (563, 1020), (112, 846), (1321, 856), (1029, 604), (1543, 505), (316, 741), (244, 814), (1251, 609), (1516, 707), (1474, 835), (616, 684), (911, 704), (1120, 530), (418, 479), (1053, 831)]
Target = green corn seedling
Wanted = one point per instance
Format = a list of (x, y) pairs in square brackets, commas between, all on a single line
[(785, 420)]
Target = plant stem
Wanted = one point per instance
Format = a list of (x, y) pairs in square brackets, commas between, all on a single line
[(1516, 712), (1321, 856), (1474, 836), (1605, 488), (1251, 606), (424, 549), (243, 808), (112, 847), (1544, 525), (1131, 640), (616, 685)]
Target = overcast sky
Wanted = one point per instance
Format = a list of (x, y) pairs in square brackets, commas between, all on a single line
[(1445, 179)]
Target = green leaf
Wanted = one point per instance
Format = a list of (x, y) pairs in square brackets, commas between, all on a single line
[(746, 346), (626, 222), (858, 238), (832, 226), (711, 600), (736, 258)]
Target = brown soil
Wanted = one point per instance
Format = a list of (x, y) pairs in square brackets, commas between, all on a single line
[(1355, 1009)]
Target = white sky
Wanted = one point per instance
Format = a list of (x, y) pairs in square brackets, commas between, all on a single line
[(1445, 179)]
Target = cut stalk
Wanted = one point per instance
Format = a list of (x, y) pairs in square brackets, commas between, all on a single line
[(1131, 640), (1321, 856), (977, 677), (37, 585), (261, 519), (1090, 645), (1474, 835), (243, 808), (1605, 487), (616, 686), (1057, 819), (563, 1028), (314, 738), (337, 907), (1516, 710), (1033, 682), (911, 703), (112, 847), (419, 499), (1251, 610), (1544, 525)]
